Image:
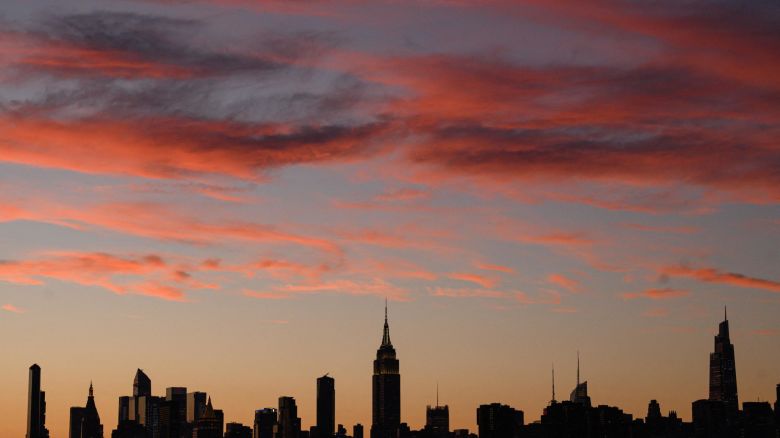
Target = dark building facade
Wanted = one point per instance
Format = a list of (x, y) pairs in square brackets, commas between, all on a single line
[(289, 424), (326, 406), (265, 423), (499, 421), (237, 430), (196, 404), (437, 421), (85, 422), (210, 423), (723, 370), (386, 389), (36, 405), (142, 384)]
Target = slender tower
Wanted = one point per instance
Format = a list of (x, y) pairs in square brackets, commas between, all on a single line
[(723, 369), (386, 389), (36, 406)]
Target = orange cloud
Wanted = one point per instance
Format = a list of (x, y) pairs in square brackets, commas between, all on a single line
[(656, 294), (101, 270), (712, 275), (494, 267), (480, 280), (467, 293)]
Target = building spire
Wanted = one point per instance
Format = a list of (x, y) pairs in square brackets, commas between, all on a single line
[(578, 367), (437, 394), (386, 334), (725, 313), (91, 393), (553, 382)]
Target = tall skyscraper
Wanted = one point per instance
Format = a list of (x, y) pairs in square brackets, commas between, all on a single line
[(326, 406), (266, 421), (142, 384), (386, 412), (85, 422), (723, 370), (289, 423), (36, 405), (437, 421), (176, 400), (357, 431)]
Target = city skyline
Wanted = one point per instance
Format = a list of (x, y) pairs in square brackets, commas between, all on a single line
[(437, 417), (223, 194)]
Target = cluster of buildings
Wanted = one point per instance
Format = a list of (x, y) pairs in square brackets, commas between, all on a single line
[(182, 414)]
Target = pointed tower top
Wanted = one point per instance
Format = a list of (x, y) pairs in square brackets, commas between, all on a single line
[(386, 335), (437, 394), (578, 367), (725, 313), (91, 392), (553, 382)]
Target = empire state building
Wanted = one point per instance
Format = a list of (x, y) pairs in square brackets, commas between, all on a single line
[(386, 389)]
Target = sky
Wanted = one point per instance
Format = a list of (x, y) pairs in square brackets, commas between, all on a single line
[(224, 193)]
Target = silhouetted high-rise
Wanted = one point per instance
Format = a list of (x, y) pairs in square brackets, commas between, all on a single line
[(142, 384), (196, 404), (357, 431), (36, 405), (579, 394), (386, 389), (723, 370), (499, 421), (85, 422), (289, 423), (437, 420), (209, 425), (326, 406), (265, 423)]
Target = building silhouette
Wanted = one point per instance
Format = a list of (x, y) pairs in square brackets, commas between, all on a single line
[(196, 404), (499, 421), (85, 422), (209, 424), (289, 424), (36, 405), (579, 394), (142, 384), (437, 421), (357, 431), (265, 423), (326, 406), (386, 389), (237, 430), (723, 370)]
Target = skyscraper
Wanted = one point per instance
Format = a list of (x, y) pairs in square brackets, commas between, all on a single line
[(326, 406), (36, 405), (85, 422), (437, 421), (289, 423), (723, 370), (142, 384), (386, 389), (579, 394), (265, 423), (196, 403), (209, 425)]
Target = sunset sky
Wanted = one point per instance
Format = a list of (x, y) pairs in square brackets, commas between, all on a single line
[(224, 192)]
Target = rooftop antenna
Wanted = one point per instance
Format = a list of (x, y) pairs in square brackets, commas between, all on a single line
[(553, 382), (725, 313), (437, 394)]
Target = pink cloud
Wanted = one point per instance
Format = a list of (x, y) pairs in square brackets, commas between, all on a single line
[(564, 282), (657, 294), (480, 280), (712, 275), (13, 309)]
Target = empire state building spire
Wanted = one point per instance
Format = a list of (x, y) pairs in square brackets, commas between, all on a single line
[(386, 335)]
